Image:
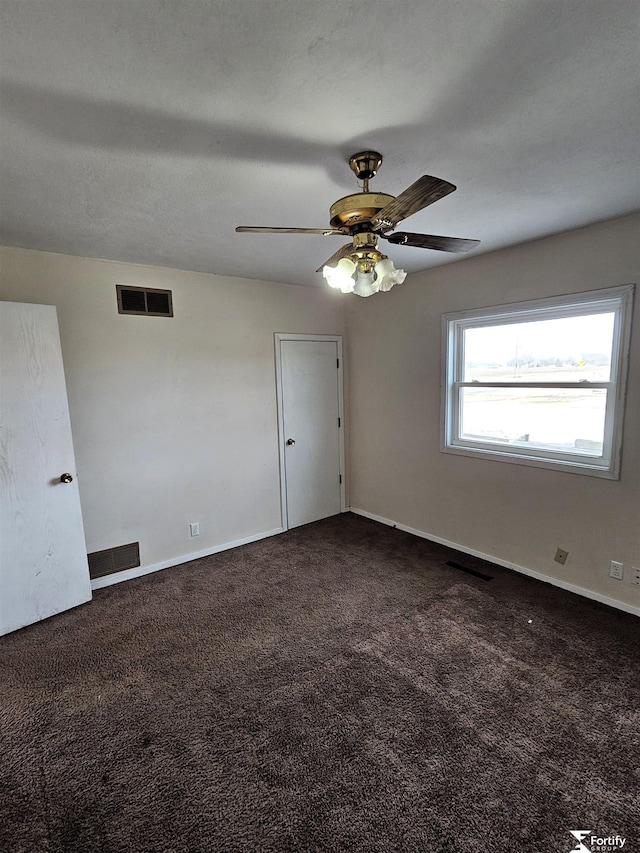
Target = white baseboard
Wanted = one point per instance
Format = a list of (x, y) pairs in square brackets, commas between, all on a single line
[(587, 593), (128, 574)]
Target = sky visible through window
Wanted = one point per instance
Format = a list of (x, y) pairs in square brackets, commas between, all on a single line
[(566, 349)]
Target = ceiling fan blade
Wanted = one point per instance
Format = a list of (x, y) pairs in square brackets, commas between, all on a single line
[(327, 232), (423, 192), (431, 241), (337, 256)]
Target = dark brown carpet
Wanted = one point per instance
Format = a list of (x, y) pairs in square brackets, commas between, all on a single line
[(336, 688)]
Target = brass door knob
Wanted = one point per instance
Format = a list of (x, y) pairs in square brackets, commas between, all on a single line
[(66, 478), (291, 441)]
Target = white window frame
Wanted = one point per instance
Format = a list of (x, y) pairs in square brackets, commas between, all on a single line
[(614, 299)]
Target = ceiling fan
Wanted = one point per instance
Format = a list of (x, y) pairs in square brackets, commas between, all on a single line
[(359, 266)]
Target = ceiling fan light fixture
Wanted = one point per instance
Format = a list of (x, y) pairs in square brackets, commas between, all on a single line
[(363, 279), (359, 266)]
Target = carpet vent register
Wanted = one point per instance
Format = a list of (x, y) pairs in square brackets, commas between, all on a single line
[(144, 300), (112, 560), (469, 571)]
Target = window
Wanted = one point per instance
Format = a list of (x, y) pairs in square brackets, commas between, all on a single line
[(540, 383)]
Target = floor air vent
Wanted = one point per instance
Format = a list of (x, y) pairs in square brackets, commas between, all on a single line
[(144, 300), (112, 560), (469, 571)]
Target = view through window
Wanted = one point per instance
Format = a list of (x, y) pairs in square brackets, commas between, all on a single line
[(570, 349), (539, 380)]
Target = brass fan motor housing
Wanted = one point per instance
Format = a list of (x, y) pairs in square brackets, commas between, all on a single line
[(354, 209)]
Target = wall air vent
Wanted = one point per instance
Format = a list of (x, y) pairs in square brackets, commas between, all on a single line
[(144, 300), (112, 560)]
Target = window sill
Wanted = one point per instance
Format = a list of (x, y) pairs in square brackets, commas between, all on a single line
[(610, 472)]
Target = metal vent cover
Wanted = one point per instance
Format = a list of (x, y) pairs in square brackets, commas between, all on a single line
[(114, 560), (144, 300)]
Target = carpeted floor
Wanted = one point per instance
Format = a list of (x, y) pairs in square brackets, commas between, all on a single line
[(335, 688)]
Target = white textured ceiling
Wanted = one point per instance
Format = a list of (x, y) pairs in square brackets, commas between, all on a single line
[(146, 130)]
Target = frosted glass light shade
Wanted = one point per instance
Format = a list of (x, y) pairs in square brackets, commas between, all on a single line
[(388, 275), (345, 277), (365, 284), (340, 276)]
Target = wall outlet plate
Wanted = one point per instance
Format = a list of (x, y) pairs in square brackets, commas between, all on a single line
[(194, 528), (616, 570), (561, 556), (635, 575)]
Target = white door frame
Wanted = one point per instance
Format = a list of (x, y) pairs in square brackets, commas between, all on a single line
[(280, 408)]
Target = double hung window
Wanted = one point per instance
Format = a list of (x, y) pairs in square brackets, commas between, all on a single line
[(540, 383)]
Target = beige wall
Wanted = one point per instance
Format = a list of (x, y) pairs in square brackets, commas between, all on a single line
[(174, 420), (510, 512)]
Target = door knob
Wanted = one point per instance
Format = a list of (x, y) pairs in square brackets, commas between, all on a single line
[(291, 441), (66, 478)]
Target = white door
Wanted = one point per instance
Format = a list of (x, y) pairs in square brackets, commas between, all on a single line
[(310, 428), (43, 555)]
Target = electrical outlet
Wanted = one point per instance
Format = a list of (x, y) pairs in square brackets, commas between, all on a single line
[(194, 527), (561, 556), (616, 570), (635, 575)]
